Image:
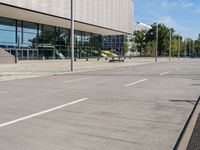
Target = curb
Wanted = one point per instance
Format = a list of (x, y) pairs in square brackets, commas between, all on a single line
[(186, 133)]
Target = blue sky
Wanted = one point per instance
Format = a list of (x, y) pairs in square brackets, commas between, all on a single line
[(182, 15)]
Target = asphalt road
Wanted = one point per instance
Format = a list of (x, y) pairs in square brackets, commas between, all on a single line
[(127, 108)]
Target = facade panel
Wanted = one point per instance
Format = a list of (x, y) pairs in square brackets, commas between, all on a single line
[(112, 14)]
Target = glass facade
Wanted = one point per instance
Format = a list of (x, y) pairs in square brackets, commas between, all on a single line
[(30, 40), (114, 43)]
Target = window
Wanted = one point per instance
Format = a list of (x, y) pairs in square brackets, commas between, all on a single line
[(78, 38), (49, 35), (29, 35), (87, 39), (7, 32), (64, 37)]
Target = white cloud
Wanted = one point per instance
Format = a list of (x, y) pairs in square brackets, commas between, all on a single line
[(166, 4), (187, 4), (176, 4), (171, 23), (167, 20)]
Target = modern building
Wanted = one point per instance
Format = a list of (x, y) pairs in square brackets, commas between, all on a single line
[(116, 42), (113, 42), (36, 29), (139, 26)]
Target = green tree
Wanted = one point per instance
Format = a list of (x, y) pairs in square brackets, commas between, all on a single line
[(163, 37), (175, 45), (150, 48), (197, 48), (125, 48), (198, 38), (189, 46), (140, 40)]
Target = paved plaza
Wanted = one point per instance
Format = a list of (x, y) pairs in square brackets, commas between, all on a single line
[(124, 107)]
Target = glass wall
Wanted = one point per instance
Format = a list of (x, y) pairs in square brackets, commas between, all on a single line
[(114, 43), (29, 35), (37, 41), (7, 33)]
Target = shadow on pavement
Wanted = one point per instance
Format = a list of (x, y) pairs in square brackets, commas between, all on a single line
[(184, 101), (196, 84)]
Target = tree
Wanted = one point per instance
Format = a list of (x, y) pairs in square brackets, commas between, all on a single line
[(150, 48), (198, 38), (125, 48), (189, 46), (175, 45), (163, 40), (139, 39), (197, 47)]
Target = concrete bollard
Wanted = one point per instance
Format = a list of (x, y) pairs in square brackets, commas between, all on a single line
[(16, 60)]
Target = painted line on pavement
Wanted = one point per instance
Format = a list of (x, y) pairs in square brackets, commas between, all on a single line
[(42, 112), (3, 92), (164, 73), (137, 82), (75, 80)]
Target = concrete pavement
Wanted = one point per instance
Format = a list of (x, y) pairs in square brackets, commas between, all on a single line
[(48, 113), (32, 69)]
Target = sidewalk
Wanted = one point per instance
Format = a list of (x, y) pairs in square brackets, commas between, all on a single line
[(32, 69), (195, 139)]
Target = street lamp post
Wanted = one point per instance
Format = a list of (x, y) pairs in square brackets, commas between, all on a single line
[(72, 35), (185, 47), (193, 48), (179, 51), (170, 44), (156, 49), (190, 48)]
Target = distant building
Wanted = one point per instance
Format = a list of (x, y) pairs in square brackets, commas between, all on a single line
[(113, 42), (138, 26), (116, 42)]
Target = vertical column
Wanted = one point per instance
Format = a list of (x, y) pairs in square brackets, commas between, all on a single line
[(72, 35)]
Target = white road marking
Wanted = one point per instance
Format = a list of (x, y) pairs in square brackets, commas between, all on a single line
[(164, 73), (41, 113), (137, 82), (3, 92), (75, 80)]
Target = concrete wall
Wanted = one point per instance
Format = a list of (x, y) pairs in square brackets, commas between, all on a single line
[(112, 14), (6, 58)]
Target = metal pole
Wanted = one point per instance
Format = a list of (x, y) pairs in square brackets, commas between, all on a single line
[(193, 48), (190, 47), (179, 51), (185, 48), (72, 35), (170, 44), (156, 49)]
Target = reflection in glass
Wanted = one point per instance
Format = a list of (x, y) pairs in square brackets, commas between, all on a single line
[(38, 40)]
